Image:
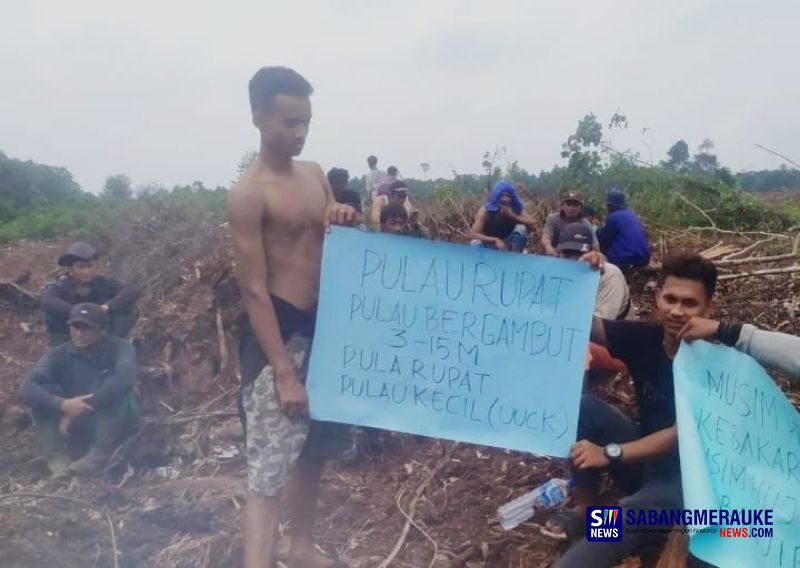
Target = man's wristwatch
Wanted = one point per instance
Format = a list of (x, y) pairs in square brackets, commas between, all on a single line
[(613, 452)]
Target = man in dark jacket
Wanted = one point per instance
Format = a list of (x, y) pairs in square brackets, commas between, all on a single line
[(622, 238), (82, 394), (81, 284)]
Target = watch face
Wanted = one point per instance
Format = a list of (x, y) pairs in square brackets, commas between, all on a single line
[(613, 451)]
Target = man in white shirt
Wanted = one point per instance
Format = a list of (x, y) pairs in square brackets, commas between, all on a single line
[(613, 297), (374, 179)]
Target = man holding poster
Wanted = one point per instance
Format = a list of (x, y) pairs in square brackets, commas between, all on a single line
[(448, 341), (642, 458), (739, 442), (278, 212)]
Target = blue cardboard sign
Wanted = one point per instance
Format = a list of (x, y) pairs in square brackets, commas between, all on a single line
[(740, 449), (451, 341)]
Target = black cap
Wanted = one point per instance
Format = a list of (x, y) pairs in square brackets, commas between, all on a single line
[(573, 196), (77, 251), (576, 237), (90, 314)]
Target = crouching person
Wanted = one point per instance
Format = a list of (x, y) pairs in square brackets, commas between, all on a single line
[(641, 457), (82, 284), (82, 394)]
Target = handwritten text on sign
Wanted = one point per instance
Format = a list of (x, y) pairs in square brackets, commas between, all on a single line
[(450, 341), (740, 449)]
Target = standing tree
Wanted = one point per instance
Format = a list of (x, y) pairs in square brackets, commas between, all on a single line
[(425, 167), (245, 161), (704, 160), (678, 156), (583, 150), (117, 187)]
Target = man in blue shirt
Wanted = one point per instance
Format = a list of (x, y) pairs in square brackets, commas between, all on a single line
[(622, 238)]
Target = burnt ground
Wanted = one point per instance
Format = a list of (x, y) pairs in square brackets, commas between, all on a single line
[(175, 493)]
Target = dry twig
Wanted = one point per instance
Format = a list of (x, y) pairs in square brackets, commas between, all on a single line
[(413, 506), (766, 272)]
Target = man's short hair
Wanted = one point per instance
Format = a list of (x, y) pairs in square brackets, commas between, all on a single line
[(391, 170), (691, 266), (338, 175), (393, 211), (372, 160), (268, 82)]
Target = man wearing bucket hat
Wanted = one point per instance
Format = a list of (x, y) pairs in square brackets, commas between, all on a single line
[(82, 284), (82, 394), (571, 211), (622, 238)]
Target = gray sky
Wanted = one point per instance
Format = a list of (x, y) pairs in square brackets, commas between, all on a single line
[(157, 90)]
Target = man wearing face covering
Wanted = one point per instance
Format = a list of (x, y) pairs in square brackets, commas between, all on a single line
[(501, 222)]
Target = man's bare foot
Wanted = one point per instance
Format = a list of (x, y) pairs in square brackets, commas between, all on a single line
[(312, 558)]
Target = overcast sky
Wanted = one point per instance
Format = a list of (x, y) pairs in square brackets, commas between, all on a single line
[(157, 90)]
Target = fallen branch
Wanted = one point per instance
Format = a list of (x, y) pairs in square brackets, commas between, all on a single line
[(703, 213), (26, 495), (413, 523), (457, 231), (16, 295), (762, 259), (766, 272), (174, 421), (223, 344), (413, 506), (747, 249), (727, 232), (121, 452), (465, 556)]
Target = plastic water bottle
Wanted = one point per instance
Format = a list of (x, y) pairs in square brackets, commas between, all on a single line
[(549, 494)]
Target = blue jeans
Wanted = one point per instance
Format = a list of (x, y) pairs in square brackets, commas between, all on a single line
[(515, 242), (645, 487)]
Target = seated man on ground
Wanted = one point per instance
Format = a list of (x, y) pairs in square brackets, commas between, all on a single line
[(642, 458), (501, 222), (622, 238), (392, 175), (571, 211), (613, 297), (82, 284), (338, 178), (82, 394), (398, 194), (779, 351), (396, 221)]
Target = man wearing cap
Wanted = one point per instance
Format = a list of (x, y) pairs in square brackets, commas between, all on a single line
[(571, 212), (613, 297), (82, 394), (398, 194), (82, 284), (622, 238)]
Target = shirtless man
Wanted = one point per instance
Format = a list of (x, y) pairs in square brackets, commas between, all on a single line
[(279, 212)]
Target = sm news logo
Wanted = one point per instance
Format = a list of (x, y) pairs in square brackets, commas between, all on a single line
[(604, 524)]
